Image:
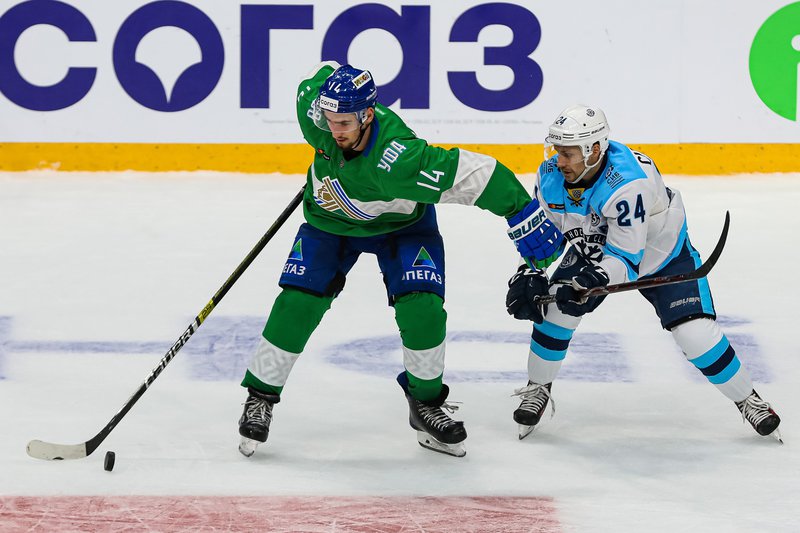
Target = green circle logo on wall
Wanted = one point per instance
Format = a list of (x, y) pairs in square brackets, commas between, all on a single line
[(775, 61)]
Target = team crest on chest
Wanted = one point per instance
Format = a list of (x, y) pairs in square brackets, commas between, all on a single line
[(332, 197), (576, 196)]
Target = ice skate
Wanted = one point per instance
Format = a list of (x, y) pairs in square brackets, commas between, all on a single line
[(255, 420), (760, 415), (435, 429), (535, 398)]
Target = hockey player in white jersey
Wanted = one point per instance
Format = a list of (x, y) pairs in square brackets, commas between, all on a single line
[(620, 223)]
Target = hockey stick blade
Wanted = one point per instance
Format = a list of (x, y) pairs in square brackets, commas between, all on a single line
[(658, 281), (50, 451)]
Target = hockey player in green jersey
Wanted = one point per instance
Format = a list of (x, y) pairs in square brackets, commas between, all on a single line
[(372, 189)]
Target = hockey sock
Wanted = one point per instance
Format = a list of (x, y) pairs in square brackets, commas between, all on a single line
[(269, 368), (421, 318), (708, 349), (294, 317), (548, 349)]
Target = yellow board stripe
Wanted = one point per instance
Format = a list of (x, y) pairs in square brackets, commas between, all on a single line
[(689, 159)]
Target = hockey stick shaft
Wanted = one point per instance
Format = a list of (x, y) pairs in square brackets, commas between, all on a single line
[(50, 451), (657, 281)]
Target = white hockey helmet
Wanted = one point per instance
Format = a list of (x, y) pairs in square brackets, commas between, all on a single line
[(582, 126)]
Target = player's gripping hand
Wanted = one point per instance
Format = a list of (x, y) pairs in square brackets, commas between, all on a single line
[(523, 287), (568, 299), (534, 235)]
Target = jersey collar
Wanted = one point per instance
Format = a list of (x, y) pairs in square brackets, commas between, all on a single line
[(373, 135)]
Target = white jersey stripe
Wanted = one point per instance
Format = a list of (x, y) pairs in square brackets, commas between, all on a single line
[(473, 173)]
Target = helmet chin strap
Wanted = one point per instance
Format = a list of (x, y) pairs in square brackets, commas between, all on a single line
[(364, 128), (352, 151), (588, 167)]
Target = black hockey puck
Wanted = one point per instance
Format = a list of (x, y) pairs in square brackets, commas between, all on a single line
[(108, 463)]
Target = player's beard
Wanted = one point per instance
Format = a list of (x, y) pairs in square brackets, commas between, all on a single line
[(350, 145), (346, 144)]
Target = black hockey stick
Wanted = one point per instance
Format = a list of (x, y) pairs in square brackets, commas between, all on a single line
[(701, 272), (51, 451)]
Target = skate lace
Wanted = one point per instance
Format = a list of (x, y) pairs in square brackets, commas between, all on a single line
[(754, 410), (436, 416), (534, 397), (258, 410)]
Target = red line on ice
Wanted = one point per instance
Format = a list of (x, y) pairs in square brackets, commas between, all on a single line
[(327, 514)]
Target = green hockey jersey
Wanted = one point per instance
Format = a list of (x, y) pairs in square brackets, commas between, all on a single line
[(388, 186)]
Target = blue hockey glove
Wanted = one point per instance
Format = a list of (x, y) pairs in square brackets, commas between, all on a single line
[(523, 286), (533, 234), (567, 299)]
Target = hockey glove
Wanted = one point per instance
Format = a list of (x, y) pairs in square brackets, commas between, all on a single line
[(568, 299), (541, 264), (533, 234), (523, 287)]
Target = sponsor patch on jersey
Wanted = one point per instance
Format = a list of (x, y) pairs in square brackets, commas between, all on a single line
[(423, 259), (559, 207), (325, 156), (297, 251), (422, 275)]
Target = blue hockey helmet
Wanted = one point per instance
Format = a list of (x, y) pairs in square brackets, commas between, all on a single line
[(347, 90)]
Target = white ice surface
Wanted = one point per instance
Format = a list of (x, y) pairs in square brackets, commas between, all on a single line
[(129, 259)]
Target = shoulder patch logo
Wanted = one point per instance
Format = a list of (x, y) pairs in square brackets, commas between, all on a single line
[(613, 177), (424, 259)]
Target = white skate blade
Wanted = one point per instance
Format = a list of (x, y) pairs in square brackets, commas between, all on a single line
[(247, 447), (427, 441), (524, 430), (776, 435)]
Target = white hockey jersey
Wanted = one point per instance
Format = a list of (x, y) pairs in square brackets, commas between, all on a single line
[(625, 218)]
